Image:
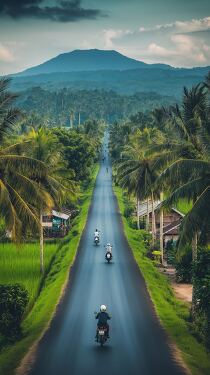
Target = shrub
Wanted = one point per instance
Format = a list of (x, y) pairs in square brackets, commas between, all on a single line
[(157, 256), (128, 211), (184, 266), (13, 302), (201, 278), (170, 251)]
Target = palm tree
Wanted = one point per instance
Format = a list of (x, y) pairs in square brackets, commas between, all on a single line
[(57, 180), (137, 174), (189, 177), (17, 189), (194, 180)]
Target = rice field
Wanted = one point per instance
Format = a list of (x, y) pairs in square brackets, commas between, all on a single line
[(20, 264)]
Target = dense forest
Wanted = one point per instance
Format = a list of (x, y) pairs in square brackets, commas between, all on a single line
[(66, 107)]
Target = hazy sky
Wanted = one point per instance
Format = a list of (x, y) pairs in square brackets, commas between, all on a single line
[(176, 32)]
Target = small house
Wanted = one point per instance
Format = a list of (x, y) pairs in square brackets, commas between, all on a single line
[(171, 220), (57, 223)]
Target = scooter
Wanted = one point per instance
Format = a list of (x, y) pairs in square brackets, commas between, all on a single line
[(96, 240), (108, 256)]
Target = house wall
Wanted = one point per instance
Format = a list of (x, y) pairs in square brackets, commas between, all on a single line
[(168, 218)]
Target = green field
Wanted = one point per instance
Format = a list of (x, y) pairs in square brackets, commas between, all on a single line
[(21, 264), (173, 313)]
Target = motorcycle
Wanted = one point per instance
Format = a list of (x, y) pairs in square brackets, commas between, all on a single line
[(96, 240), (108, 256), (102, 335)]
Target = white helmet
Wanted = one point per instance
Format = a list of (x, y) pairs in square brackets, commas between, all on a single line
[(108, 245), (103, 308)]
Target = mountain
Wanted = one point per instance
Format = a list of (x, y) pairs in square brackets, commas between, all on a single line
[(89, 60), (162, 81), (107, 70)]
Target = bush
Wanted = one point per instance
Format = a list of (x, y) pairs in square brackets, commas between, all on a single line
[(201, 278), (184, 267), (13, 302), (128, 211), (157, 256), (170, 251), (132, 221)]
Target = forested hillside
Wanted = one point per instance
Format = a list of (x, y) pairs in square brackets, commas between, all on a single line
[(57, 107)]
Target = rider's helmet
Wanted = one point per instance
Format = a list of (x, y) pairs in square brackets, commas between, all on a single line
[(103, 308), (108, 245)]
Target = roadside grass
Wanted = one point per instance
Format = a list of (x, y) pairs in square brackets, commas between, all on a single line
[(21, 264), (173, 313), (44, 308)]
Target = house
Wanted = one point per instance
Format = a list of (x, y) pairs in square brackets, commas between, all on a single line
[(57, 223), (171, 220)]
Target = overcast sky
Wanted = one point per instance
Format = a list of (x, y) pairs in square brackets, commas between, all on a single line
[(176, 32)]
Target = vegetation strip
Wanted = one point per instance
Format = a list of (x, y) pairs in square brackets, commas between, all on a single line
[(172, 313), (42, 313)]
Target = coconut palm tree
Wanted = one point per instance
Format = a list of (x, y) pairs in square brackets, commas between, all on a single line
[(137, 174), (18, 192), (44, 146)]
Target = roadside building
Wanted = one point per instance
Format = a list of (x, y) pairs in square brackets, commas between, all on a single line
[(56, 223), (171, 220)]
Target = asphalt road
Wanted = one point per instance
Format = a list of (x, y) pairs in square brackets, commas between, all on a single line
[(138, 345)]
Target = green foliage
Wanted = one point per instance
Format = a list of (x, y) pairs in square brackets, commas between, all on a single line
[(170, 251), (184, 266), (184, 206), (53, 108), (174, 314), (157, 256), (13, 302), (52, 286), (78, 151), (201, 276)]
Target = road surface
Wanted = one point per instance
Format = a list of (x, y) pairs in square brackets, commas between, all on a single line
[(138, 345)]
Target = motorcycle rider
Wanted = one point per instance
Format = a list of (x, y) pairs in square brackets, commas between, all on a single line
[(102, 318), (96, 234), (109, 248)]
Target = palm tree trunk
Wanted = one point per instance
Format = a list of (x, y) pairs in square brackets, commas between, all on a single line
[(161, 229), (137, 202), (79, 119), (153, 221), (41, 245), (194, 258), (195, 247), (147, 222)]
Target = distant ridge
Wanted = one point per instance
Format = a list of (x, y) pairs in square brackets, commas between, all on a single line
[(89, 60), (107, 70)]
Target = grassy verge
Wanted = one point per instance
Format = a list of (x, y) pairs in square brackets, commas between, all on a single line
[(172, 313), (44, 307)]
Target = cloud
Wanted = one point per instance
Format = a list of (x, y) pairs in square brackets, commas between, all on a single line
[(194, 25), (61, 10), (5, 54), (181, 43), (112, 34), (184, 50)]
